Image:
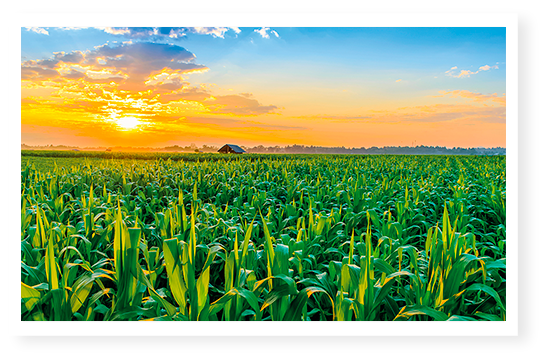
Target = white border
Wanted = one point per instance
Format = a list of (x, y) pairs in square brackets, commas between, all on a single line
[(509, 327)]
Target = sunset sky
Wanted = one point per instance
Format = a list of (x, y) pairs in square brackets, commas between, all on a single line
[(353, 87)]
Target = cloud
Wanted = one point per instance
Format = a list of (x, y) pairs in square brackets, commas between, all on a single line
[(212, 121), (127, 77), (475, 97), (144, 58), (185, 94), (264, 32), (168, 32), (140, 57), (207, 102), (37, 73), (396, 81), (488, 67), (66, 28), (476, 108), (38, 30), (467, 73), (438, 113), (445, 112), (488, 115), (130, 65), (463, 74), (340, 118), (121, 31), (142, 79), (238, 123), (237, 105), (73, 57), (215, 32), (278, 127)]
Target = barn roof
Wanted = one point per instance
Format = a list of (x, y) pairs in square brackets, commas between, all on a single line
[(236, 148)]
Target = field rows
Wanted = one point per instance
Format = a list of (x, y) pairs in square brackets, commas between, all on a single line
[(265, 238)]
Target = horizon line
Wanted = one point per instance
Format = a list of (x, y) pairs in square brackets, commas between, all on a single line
[(265, 146)]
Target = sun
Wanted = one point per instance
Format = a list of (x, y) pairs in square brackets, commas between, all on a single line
[(128, 123)]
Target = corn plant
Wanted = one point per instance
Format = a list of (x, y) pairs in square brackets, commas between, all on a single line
[(263, 237)]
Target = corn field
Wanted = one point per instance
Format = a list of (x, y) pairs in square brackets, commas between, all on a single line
[(280, 238)]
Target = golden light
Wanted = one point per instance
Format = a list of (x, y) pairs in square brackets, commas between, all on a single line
[(128, 123)]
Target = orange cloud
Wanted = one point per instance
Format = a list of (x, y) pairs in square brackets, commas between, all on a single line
[(237, 105), (146, 83), (491, 110), (476, 97)]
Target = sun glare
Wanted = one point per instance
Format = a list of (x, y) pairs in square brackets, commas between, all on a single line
[(128, 123)]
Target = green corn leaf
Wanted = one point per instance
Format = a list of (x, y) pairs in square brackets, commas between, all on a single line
[(246, 241), (260, 285), (281, 265), (350, 256), (279, 291), (171, 254), (407, 312), (171, 310), (51, 264), (297, 305), (488, 290), (268, 244), (461, 318), (29, 296), (82, 288), (488, 317), (202, 289), (249, 296), (211, 255)]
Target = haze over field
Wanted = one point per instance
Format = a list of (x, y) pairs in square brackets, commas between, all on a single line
[(331, 87)]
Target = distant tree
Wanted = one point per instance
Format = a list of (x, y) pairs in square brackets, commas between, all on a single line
[(208, 148)]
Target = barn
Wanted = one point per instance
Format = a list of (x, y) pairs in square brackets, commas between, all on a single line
[(231, 148)]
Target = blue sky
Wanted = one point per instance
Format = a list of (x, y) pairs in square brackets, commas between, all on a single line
[(376, 51)]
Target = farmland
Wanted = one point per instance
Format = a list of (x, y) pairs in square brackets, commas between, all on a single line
[(262, 237)]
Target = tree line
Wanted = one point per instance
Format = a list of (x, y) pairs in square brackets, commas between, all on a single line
[(295, 149)]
